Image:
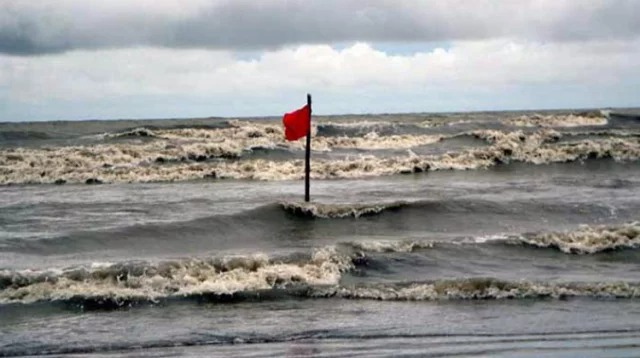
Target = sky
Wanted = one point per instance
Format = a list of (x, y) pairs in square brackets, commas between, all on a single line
[(94, 59)]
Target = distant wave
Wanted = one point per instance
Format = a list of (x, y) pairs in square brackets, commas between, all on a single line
[(189, 154), (246, 135), (22, 135), (557, 120), (356, 128), (136, 132), (382, 125), (373, 141), (149, 128), (603, 133)]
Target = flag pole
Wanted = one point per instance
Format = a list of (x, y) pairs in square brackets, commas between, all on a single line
[(307, 164)]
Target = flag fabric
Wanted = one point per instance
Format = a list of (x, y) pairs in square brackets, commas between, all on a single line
[(296, 123)]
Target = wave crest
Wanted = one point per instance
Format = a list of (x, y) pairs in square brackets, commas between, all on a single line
[(130, 162), (389, 246), (481, 289), (317, 273), (333, 211), (556, 120), (588, 240), (126, 282)]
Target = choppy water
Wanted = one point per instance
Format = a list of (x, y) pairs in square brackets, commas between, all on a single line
[(497, 234)]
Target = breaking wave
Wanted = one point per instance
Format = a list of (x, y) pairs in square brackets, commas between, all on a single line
[(582, 241), (136, 132), (122, 283), (179, 154), (589, 239), (480, 289), (355, 128), (113, 286), (373, 141), (332, 211), (316, 273), (399, 246), (556, 120)]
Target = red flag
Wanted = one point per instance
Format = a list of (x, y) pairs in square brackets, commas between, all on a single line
[(296, 123)]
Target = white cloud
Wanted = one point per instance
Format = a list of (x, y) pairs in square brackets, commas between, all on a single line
[(84, 58), (485, 65)]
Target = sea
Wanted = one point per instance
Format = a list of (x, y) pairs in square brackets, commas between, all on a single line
[(495, 234)]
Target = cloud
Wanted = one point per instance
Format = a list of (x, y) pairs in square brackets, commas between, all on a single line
[(51, 26), (359, 68)]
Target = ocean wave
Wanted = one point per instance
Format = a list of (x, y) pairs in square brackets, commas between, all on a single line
[(186, 146), (136, 132), (366, 125), (374, 141), (124, 162), (588, 239), (440, 122), (603, 133), (121, 283), (333, 211), (246, 134), (316, 273), (228, 277), (584, 240), (386, 246), (539, 147), (480, 289), (581, 241), (118, 285), (401, 124), (559, 120)]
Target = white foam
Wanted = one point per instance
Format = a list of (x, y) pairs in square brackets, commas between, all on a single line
[(369, 125), (390, 246), (328, 211), (487, 238), (374, 141), (126, 162), (482, 289), (589, 239), (120, 283), (557, 120)]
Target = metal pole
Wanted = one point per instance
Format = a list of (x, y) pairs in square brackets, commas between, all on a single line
[(307, 166)]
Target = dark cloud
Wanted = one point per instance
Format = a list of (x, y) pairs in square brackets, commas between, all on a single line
[(48, 26)]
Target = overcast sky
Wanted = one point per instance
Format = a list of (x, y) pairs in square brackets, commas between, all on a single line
[(80, 59)]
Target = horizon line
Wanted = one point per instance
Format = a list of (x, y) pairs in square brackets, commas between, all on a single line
[(548, 109)]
